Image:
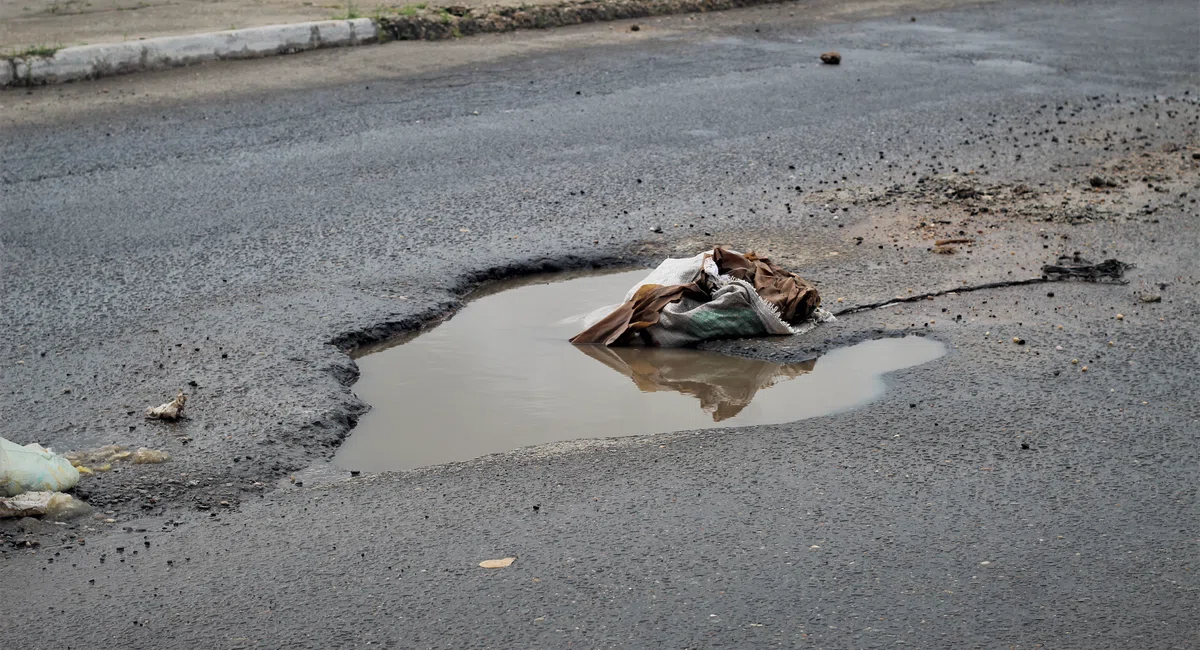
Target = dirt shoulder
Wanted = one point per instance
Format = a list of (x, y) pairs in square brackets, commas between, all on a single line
[(59, 23), (46, 25), (64, 23)]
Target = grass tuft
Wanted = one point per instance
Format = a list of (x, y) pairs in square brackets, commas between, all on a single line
[(350, 13), (44, 51)]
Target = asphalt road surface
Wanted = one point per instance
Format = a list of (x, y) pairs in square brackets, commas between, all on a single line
[(237, 238)]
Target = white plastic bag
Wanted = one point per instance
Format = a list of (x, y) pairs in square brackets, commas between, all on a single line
[(33, 468)]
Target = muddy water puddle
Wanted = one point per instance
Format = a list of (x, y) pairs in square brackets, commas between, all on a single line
[(501, 375)]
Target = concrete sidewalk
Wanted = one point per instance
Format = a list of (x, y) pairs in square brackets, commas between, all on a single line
[(56, 24)]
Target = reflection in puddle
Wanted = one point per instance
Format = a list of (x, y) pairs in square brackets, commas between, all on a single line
[(500, 375), (724, 385)]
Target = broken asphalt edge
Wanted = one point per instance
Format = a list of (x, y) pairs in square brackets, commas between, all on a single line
[(431, 23)]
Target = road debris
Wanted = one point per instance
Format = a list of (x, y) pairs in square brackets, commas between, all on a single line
[(1074, 266), (147, 456), (497, 564), (831, 58), (1132, 188), (102, 459), (718, 294), (52, 505), (33, 468), (171, 411)]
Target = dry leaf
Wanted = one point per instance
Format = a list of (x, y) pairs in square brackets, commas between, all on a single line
[(497, 564)]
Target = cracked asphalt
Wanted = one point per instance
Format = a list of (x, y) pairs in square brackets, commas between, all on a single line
[(239, 244)]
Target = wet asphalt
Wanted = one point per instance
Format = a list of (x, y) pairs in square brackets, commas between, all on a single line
[(997, 497)]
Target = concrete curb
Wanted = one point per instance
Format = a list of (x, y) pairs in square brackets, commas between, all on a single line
[(92, 61)]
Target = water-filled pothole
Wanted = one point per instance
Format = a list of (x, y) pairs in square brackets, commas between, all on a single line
[(500, 375)]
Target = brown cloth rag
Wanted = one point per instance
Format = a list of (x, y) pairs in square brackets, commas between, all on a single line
[(640, 312), (795, 298)]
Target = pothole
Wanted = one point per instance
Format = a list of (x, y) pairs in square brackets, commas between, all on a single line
[(500, 375)]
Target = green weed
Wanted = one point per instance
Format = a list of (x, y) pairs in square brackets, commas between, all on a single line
[(37, 50), (350, 13)]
